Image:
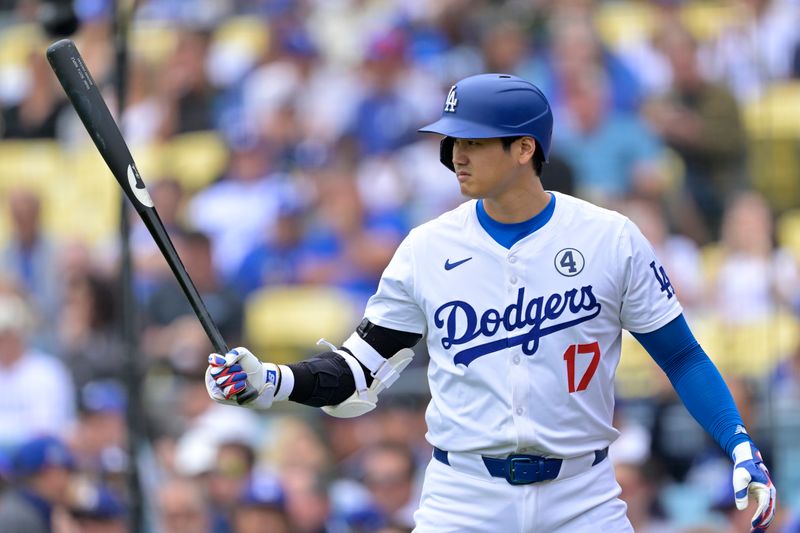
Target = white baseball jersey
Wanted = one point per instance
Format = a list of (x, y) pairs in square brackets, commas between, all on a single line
[(524, 342)]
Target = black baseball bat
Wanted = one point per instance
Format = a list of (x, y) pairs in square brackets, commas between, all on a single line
[(80, 88)]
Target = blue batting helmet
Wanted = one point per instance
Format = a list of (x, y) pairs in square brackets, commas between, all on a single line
[(493, 105)]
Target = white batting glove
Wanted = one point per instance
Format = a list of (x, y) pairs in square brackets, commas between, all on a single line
[(228, 375), (751, 480)]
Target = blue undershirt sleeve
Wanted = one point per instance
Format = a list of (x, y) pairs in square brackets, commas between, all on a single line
[(696, 380)]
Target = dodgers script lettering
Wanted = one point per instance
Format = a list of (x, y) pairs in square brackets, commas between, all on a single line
[(461, 322)]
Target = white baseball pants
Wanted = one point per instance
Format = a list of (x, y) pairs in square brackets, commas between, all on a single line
[(462, 500)]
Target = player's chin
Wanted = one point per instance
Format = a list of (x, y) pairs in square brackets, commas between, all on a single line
[(469, 191)]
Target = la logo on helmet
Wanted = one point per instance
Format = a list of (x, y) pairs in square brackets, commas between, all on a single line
[(452, 101)]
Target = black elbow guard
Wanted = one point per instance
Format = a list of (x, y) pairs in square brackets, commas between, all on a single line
[(325, 379), (385, 341)]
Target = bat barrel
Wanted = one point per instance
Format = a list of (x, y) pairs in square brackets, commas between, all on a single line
[(83, 93)]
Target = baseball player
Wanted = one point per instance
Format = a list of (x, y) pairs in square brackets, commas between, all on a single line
[(522, 295)]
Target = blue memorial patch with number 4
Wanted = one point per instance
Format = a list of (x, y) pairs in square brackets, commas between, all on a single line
[(569, 262)]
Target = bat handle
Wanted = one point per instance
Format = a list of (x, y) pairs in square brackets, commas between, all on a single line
[(248, 394)]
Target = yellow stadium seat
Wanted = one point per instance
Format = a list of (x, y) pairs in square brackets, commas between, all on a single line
[(153, 42), (636, 375), (284, 323), (773, 124), (18, 42), (706, 20), (777, 113), (34, 164), (754, 349), (620, 22), (245, 33), (87, 204), (742, 349), (711, 257), (195, 159), (788, 231)]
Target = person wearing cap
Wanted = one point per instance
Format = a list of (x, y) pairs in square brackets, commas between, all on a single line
[(98, 510), (262, 507), (41, 469), (102, 427)]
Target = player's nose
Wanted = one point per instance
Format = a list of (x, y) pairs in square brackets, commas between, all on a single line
[(459, 157)]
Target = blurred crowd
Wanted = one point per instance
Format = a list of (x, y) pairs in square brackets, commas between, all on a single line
[(314, 105)]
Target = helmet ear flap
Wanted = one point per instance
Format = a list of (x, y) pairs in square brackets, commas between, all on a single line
[(446, 152)]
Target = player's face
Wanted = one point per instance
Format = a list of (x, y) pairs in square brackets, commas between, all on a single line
[(483, 168)]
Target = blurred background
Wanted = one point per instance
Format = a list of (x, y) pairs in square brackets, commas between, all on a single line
[(277, 138)]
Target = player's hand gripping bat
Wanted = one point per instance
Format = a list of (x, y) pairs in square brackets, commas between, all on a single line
[(69, 67)]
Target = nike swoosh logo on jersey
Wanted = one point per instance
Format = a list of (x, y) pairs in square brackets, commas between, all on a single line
[(450, 266)]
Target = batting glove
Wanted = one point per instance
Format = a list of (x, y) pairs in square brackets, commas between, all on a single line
[(228, 375), (751, 479)]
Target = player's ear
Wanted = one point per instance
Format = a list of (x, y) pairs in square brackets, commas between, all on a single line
[(527, 147)]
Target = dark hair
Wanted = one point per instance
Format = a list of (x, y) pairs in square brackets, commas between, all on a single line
[(397, 448), (538, 156)]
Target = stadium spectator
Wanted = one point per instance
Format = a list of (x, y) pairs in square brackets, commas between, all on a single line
[(753, 279), (295, 79), (347, 245), (182, 507), (307, 500), (99, 439), (144, 109), (641, 54), (676, 439), (614, 153), (262, 507), (573, 48), (173, 332), (428, 189), (88, 339), (274, 259), (395, 92), (41, 471), (402, 417), (186, 92), (755, 49), (35, 112), (30, 258), (701, 122), (231, 475), (784, 381), (97, 509), (389, 476), (150, 268), (298, 446), (250, 188), (23, 369), (505, 47), (640, 484)]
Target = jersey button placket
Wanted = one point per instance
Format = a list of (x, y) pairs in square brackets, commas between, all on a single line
[(518, 373), (512, 279)]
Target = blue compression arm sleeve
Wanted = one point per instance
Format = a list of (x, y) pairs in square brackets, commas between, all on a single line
[(696, 380)]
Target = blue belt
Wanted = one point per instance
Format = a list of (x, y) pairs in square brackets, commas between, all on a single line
[(522, 469)]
